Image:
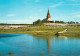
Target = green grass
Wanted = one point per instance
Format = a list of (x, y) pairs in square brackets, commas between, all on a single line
[(45, 30)]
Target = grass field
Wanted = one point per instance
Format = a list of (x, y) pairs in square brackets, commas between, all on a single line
[(45, 30)]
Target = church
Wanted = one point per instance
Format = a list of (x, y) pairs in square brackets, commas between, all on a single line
[(46, 20), (48, 17)]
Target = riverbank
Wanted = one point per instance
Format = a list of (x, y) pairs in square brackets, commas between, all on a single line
[(45, 30)]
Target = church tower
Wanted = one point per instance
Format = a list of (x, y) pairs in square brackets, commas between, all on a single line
[(48, 16)]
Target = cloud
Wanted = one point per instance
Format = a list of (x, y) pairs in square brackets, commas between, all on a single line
[(37, 0), (75, 13), (56, 5), (33, 17), (74, 0), (20, 21), (78, 16), (10, 15), (68, 4), (72, 4)]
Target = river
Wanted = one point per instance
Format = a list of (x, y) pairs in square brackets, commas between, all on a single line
[(28, 45)]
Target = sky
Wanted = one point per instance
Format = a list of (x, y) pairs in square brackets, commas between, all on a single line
[(28, 11)]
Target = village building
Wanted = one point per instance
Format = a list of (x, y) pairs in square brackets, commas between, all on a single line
[(48, 17)]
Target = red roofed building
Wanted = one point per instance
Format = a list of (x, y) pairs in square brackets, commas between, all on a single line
[(49, 17)]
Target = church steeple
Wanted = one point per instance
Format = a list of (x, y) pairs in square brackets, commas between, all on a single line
[(48, 16)]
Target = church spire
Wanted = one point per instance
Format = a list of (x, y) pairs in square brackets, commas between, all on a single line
[(48, 16)]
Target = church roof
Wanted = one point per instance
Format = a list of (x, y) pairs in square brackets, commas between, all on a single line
[(48, 14)]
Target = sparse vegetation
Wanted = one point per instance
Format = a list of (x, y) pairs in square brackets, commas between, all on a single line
[(45, 30), (60, 22), (10, 53), (40, 22)]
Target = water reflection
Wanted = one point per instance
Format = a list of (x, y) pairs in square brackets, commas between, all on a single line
[(62, 45), (28, 45), (8, 35), (48, 44)]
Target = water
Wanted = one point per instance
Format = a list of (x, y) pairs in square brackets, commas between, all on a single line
[(28, 45)]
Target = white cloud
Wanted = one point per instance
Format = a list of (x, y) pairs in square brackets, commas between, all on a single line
[(56, 5), (33, 17), (10, 15), (77, 15), (69, 4), (37, 0), (19, 21), (72, 4), (74, 0)]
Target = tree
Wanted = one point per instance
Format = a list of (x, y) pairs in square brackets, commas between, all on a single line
[(77, 22), (37, 22), (71, 22), (59, 22)]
